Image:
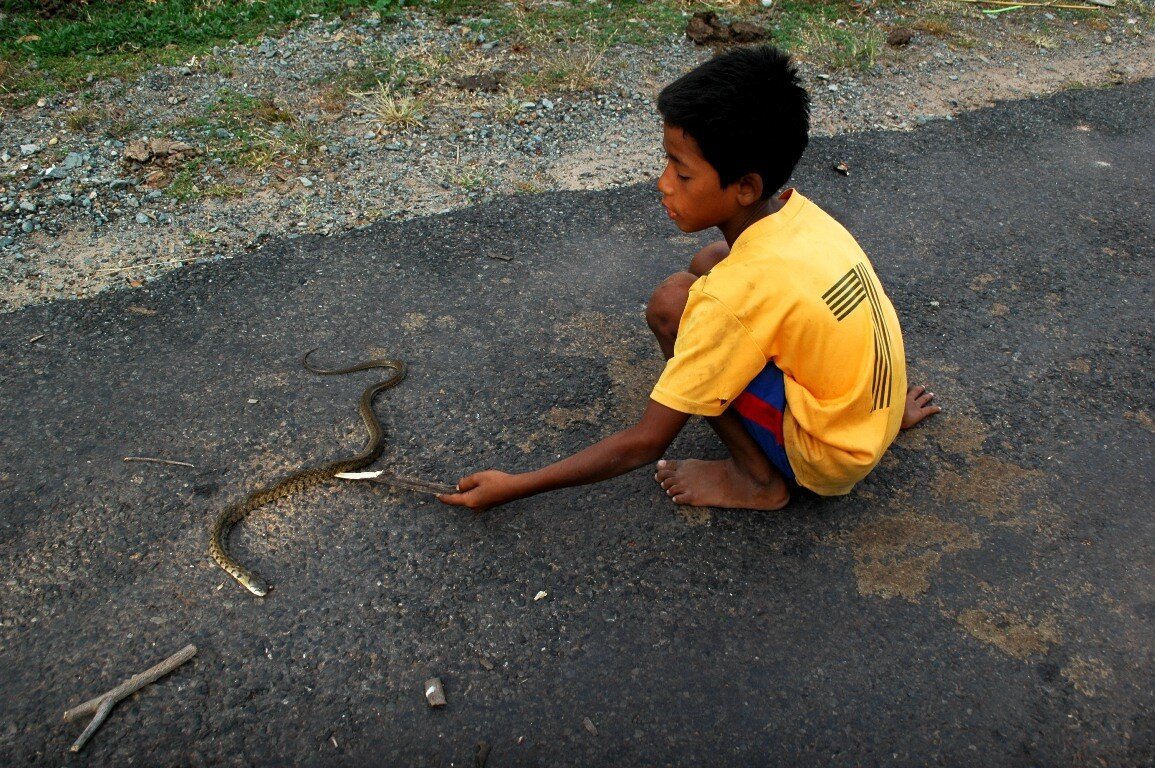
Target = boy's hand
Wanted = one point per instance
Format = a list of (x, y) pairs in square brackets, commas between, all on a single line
[(483, 490)]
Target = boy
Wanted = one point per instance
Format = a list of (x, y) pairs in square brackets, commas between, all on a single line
[(780, 335)]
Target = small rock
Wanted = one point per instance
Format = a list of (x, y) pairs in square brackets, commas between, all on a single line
[(434, 692), (27, 205), (73, 160), (305, 181), (745, 32), (142, 218), (29, 149), (899, 36), (27, 227), (589, 726)]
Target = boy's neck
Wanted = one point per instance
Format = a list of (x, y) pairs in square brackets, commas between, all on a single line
[(748, 216)]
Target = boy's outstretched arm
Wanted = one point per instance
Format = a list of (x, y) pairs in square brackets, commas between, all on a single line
[(643, 443)]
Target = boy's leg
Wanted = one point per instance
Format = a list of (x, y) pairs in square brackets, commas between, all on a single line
[(746, 480), (705, 259)]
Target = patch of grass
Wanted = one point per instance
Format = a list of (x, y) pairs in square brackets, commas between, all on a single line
[(599, 23), (470, 178), (121, 128), (223, 190), (933, 26), (84, 118), (508, 109), (575, 68), (189, 183), (107, 26), (59, 44), (387, 109), (121, 38), (529, 187), (849, 47), (183, 185)]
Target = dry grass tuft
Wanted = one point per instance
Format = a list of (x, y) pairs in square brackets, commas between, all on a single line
[(389, 110)]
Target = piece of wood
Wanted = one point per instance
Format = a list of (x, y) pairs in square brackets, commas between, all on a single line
[(103, 704), (159, 461)]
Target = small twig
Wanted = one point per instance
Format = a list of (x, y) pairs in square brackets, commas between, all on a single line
[(103, 704), (159, 461), (1031, 5)]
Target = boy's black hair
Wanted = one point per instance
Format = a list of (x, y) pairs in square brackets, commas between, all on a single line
[(748, 112)]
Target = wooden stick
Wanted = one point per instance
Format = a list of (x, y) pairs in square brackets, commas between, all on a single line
[(159, 461), (104, 703), (1031, 5)]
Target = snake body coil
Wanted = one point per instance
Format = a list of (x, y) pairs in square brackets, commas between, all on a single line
[(305, 478)]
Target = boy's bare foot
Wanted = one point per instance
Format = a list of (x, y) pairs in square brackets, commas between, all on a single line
[(918, 406), (700, 483)]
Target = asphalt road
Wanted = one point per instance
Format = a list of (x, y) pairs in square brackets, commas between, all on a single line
[(986, 597)]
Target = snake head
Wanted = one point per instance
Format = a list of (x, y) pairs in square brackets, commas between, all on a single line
[(255, 584)]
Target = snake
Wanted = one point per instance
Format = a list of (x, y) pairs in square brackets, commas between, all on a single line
[(305, 478)]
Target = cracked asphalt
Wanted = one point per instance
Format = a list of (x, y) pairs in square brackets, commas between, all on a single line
[(984, 598)]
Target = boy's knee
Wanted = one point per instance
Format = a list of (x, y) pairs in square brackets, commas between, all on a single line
[(707, 258), (664, 311)]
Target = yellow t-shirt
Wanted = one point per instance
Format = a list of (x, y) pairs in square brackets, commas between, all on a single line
[(798, 291)]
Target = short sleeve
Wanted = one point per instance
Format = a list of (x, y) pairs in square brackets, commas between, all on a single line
[(715, 358)]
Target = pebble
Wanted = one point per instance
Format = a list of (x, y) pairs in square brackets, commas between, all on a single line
[(29, 149)]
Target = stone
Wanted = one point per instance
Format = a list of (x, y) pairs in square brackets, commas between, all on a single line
[(899, 36)]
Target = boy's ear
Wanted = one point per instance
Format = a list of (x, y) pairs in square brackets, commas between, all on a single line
[(750, 189)]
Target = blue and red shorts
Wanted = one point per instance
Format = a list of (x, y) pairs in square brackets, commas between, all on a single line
[(760, 408)]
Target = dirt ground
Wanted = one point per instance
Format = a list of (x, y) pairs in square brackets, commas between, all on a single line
[(111, 222)]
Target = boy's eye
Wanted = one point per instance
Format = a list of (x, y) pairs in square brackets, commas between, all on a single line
[(683, 177)]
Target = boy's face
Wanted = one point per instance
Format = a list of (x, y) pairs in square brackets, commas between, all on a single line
[(692, 192)]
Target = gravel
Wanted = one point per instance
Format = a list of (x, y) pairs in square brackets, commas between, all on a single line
[(78, 216)]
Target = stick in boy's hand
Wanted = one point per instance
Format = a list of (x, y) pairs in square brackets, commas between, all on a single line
[(780, 334)]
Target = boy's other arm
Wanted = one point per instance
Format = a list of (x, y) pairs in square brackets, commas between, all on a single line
[(643, 443)]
